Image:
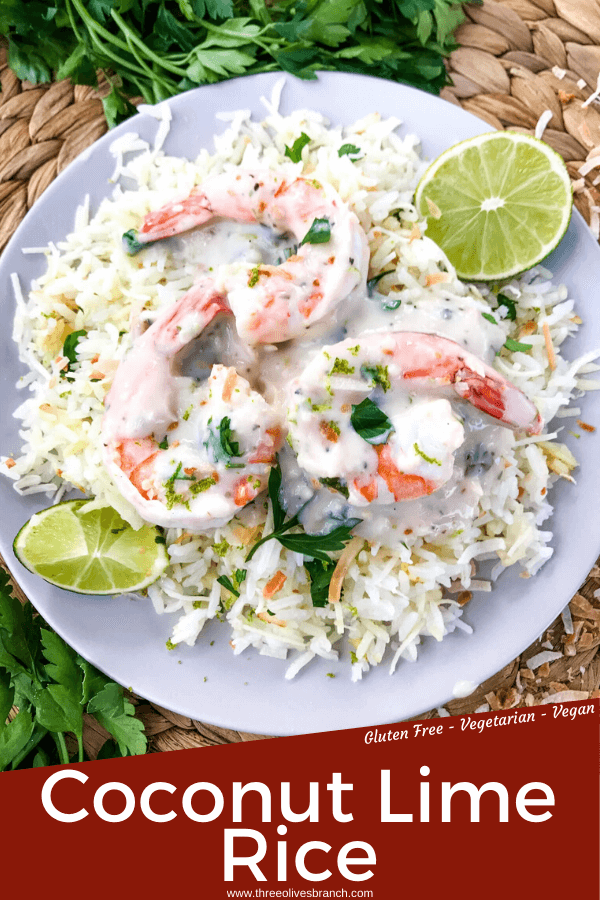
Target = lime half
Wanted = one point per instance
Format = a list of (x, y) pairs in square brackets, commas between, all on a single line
[(496, 204), (92, 552)]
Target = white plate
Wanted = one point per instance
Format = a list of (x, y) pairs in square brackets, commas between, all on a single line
[(126, 639)]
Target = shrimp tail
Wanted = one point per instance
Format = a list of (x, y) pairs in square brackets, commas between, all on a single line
[(175, 217), (430, 357)]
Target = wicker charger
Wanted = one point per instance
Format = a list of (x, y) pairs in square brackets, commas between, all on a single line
[(517, 59)]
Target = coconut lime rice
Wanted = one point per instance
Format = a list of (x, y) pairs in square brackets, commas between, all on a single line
[(404, 569)]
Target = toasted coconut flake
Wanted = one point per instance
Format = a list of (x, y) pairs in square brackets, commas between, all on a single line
[(549, 346), (585, 427), (546, 656), (271, 620), (349, 554), (436, 278), (565, 697), (275, 584)]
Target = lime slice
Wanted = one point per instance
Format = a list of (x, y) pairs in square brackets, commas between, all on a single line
[(92, 552), (496, 204)]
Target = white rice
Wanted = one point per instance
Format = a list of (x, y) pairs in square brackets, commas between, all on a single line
[(393, 596)]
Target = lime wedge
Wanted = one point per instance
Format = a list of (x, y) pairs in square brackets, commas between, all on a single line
[(92, 552), (496, 204)]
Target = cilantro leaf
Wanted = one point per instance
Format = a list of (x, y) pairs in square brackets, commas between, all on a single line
[(274, 487), (489, 317), (295, 151), (509, 304), (227, 583), (370, 422), (131, 243), (221, 441), (513, 346), (336, 485), (320, 572), (373, 282), (62, 662), (348, 150), (318, 233), (70, 349), (117, 107), (115, 713), (14, 737), (317, 546)]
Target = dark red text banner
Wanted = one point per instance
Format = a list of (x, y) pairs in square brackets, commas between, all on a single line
[(490, 805)]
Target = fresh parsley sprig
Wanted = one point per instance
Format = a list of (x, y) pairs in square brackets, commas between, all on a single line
[(52, 687), (157, 49), (314, 546)]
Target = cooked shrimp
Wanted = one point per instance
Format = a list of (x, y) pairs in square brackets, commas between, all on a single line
[(401, 447), (275, 303), (186, 454)]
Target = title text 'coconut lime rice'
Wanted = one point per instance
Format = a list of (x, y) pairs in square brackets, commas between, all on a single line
[(404, 574)]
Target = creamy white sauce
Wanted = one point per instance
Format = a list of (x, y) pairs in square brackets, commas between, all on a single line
[(473, 460)]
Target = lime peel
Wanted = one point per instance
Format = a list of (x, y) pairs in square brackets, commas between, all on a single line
[(90, 552), (497, 204)]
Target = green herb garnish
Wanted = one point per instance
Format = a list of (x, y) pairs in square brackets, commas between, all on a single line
[(295, 151), (513, 345), (53, 687), (489, 318), (348, 150), (336, 485), (320, 572), (318, 233), (370, 422), (509, 304), (223, 445), (131, 243), (315, 546), (254, 276), (374, 281), (70, 350)]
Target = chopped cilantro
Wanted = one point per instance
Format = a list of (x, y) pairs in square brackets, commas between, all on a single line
[(513, 345), (509, 304), (319, 407), (353, 657), (131, 243), (222, 443), (330, 675), (295, 151), (489, 318), (333, 426), (354, 350), (348, 150), (188, 412), (320, 572), (164, 444), (170, 645), (70, 349), (336, 485), (370, 422), (373, 282), (318, 233), (254, 276)]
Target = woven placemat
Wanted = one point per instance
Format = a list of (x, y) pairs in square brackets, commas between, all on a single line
[(517, 59)]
